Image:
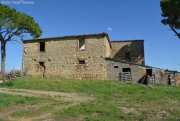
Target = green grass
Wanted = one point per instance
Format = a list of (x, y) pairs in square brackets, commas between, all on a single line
[(2, 119), (114, 100), (22, 112), (44, 109), (23, 106), (6, 100)]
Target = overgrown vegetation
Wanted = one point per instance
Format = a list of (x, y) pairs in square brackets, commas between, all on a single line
[(113, 101)]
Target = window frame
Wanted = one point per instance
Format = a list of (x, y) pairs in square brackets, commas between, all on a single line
[(84, 44), (81, 62), (40, 46)]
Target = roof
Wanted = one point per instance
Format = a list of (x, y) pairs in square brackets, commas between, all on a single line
[(71, 36), (171, 71), (126, 41), (131, 63), (140, 65)]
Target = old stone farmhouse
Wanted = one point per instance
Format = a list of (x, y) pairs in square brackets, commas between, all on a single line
[(88, 56)]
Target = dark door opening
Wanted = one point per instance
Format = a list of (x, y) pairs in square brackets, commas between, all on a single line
[(149, 72), (126, 69), (126, 75), (42, 68)]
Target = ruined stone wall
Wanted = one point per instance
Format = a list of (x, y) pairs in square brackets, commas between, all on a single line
[(108, 47), (114, 68), (177, 79), (165, 75), (61, 58), (135, 49), (158, 75)]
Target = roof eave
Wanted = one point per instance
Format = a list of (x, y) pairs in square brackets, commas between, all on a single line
[(68, 36)]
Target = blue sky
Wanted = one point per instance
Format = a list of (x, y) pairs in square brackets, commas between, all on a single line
[(121, 19)]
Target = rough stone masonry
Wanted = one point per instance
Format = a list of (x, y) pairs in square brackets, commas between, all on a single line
[(80, 56)]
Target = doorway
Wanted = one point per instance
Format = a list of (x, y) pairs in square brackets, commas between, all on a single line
[(149, 72), (42, 68), (126, 69)]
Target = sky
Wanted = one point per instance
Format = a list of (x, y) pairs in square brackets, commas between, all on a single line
[(121, 19)]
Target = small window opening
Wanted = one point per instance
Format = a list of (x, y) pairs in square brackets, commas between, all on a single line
[(115, 66), (42, 46), (82, 62), (81, 44), (41, 64), (127, 56)]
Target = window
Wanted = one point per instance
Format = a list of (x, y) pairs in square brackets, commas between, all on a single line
[(81, 44), (115, 66), (41, 64), (82, 62), (42, 46), (127, 56)]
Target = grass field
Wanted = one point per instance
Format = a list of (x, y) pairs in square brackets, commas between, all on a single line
[(112, 101)]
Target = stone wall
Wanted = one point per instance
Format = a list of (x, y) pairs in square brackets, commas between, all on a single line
[(155, 71), (61, 58), (137, 72), (165, 75), (122, 49), (158, 75), (114, 68), (177, 79)]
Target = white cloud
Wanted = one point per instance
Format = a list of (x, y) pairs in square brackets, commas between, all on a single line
[(109, 29)]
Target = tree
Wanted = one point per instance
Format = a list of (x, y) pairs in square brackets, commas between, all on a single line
[(14, 24), (171, 15)]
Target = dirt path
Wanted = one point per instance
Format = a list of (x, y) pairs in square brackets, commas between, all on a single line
[(67, 96), (74, 98)]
